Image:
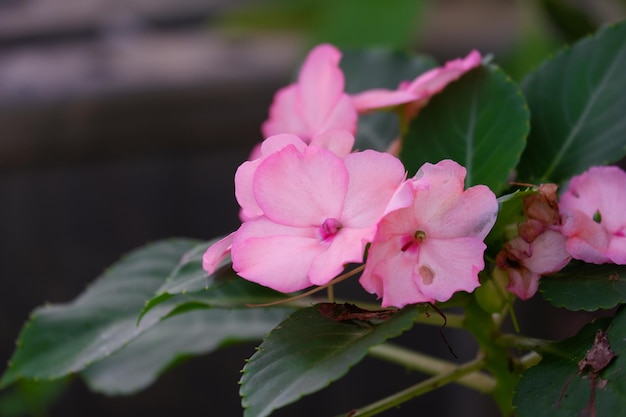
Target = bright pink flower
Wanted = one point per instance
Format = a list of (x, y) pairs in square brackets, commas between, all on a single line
[(316, 103), (319, 212), (527, 262), (416, 94), (594, 216), (427, 251)]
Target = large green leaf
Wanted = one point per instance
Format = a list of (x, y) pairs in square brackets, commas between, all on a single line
[(62, 339), (581, 286), (197, 332), (479, 121), (577, 103), (308, 351), (380, 68), (556, 387)]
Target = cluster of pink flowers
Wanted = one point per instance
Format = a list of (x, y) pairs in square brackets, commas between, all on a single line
[(588, 223), (310, 205)]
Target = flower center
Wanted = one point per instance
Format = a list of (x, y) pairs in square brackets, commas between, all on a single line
[(413, 242), (329, 228)]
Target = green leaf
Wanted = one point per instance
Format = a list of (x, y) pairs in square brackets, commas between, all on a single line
[(189, 276), (577, 103), (556, 388), (581, 286), (380, 68), (62, 339), (479, 121), (138, 364), (227, 290), (307, 352)]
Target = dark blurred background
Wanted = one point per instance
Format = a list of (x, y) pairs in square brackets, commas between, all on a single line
[(122, 122)]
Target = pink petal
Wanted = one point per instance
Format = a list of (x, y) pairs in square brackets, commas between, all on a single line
[(446, 266), (338, 141), (446, 209), (587, 240), (374, 179), (245, 173), (347, 247), (285, 115), (523, 282), (616, 251), (301, 189), (342, 115), (389, 274), (321, 83), (548, 253), (216, 253), (275, 256), (380, 98), (433, 81), (317, 102), (599, 190)]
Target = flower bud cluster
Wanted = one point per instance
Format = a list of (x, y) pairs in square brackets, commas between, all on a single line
[(588, 223)]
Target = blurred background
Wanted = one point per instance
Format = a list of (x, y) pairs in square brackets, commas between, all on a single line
[(123, 122)]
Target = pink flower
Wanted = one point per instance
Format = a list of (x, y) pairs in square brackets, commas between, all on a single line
[(527, 262), (416, 93), (318, 213), (433, 247), (594, 216), (316, 103)]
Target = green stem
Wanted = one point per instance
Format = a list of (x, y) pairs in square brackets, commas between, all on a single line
[(417, 389), (430, 365), (529, 359), (525, 343)]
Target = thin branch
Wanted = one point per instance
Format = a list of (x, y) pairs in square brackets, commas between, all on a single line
[(525, 343), (430, 365), (417, 389)]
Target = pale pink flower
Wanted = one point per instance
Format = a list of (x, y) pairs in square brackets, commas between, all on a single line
[(417, 93), (316, 103), (319, 212), (434, 247), (593, 213), (526, 262)]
